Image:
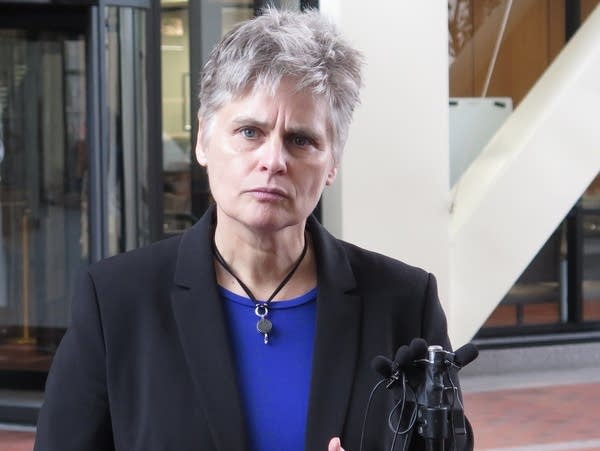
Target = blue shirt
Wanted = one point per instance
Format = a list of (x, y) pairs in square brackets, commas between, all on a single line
[(274, 378)]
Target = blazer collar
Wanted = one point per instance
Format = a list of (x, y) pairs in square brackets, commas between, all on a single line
[(337, 340), (202, 328)]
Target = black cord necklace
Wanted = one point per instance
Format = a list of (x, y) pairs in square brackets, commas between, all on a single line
[(263, 325)]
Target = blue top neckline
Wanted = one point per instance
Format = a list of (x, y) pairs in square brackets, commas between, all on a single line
[(283, 304)]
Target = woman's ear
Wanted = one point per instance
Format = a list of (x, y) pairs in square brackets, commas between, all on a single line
[(200, 148), (331, 176)]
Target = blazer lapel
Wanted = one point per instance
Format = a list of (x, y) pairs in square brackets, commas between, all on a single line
[(202, 329), (336, 342)]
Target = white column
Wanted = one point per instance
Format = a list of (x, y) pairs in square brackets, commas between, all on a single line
[(392, 193)]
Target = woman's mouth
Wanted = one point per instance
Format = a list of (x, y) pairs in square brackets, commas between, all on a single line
[(268, 194)]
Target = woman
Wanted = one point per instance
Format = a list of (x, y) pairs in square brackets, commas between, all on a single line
[(255, 328)]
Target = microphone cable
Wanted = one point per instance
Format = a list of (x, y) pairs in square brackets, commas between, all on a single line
[(411, 423), (364, 423), (455, 398)]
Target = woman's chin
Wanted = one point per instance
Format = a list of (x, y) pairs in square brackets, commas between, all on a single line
[(263, 219), (267, 223), (271, 221)]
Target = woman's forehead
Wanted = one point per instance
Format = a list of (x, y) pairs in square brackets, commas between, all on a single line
[(267, 104)]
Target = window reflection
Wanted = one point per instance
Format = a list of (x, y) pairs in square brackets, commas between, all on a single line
[(127, 154), (43, 190), (591, 251), (591, 263), (176, 114)]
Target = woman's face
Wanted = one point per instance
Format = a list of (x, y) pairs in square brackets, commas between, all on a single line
[(268, 158)]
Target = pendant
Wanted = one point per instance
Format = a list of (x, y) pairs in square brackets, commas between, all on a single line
[(263, 325)]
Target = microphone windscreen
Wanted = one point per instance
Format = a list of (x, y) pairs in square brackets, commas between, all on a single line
[(417, 349), (401, 358), (382, 365), (465, 355)]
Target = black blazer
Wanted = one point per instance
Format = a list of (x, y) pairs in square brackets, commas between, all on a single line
[(146, 362)]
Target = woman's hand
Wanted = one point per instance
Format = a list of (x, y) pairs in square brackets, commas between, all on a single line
[(335, 445)]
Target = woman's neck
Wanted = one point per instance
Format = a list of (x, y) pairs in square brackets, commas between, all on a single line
[(262, 260)]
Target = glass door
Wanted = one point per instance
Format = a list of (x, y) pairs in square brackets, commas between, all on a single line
[(44, 205), (79, 162), (125, 152)]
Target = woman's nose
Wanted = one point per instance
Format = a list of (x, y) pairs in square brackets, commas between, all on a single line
[(273, 156)]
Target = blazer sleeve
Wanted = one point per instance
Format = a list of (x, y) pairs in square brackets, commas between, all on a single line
[(433, 320), (75, 413)]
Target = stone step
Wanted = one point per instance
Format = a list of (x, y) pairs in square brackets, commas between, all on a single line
[(20, 407)]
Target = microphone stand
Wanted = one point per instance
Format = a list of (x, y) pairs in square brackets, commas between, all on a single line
[(433, 415), (438, 417)]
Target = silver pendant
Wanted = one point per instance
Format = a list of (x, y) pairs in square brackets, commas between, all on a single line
[(263, 325)]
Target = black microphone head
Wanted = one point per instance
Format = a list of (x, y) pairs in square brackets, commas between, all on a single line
[(465, 355), (417, 349), (382, 365), (401, 358)]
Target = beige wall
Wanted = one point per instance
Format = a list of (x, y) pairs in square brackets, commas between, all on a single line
[(392, 192)]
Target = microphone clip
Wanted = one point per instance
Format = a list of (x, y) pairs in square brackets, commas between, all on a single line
[(393, 378)]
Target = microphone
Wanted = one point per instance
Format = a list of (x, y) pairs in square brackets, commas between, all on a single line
[(382, 365), (416, 350), (426, 371), (465, 355), (440, 418), (405, 355)]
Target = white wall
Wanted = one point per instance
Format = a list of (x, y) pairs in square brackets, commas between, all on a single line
[(392, 192)]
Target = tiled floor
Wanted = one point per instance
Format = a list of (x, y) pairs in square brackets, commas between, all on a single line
[(549, 418), (16, 441), (537, 418)]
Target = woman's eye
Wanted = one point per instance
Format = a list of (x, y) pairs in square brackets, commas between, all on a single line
[(300, 141), (248, 132)]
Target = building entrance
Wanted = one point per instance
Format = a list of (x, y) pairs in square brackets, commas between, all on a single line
[(44, 182), (79, 162)]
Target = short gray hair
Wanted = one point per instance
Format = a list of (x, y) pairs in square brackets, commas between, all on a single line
[(304, 46)]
